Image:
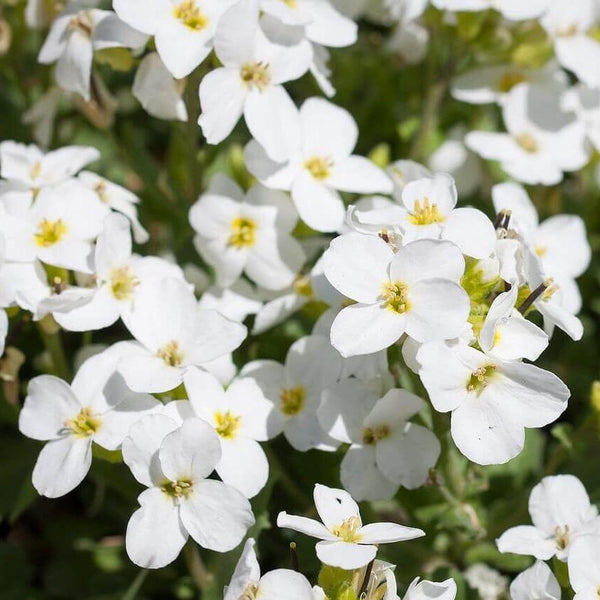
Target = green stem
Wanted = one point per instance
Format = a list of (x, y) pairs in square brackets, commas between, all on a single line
[(195, 564), (286, 481), (53, 344), (136, 585)]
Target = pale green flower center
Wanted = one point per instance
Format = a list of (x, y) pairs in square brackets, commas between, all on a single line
[(292, 400), (243, 233), (171, 354), (347, 531), (84, 424), (227, 424), (189, 13), (395, 296)]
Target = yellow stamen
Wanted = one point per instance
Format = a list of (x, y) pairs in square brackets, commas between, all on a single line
[(243, 233), (428, 214), (171, 354), (257, 75), (50, 232), (36, 170), (372, 435), (527, 142), (348, 530), (541, 251), (123, 282), (84, 424), (227, 424), (319, 167), (562, 537), (292, 400), (480, 378), (303, 286), (395, 296), (178, 489), (189, 13)]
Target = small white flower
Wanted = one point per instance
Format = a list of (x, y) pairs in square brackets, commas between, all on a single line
[(174, 463), (414, 291), (346, 542), (584, 567), (536, 583), (173, 333), (249, 233), (561, 513), (97, 407), (321, 165)]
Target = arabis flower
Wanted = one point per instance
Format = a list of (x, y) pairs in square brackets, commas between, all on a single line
[(295, 388), (561, 513), (542, 142), (174, 463), (320, 165), (173, 333), (281, 584), (584, 567), (96, 408), (240, 416), (57, 229), (74, 36), (249, 233), (431, 590), (383, 443), (119, 274), (183, 30), (346, 542), (414, 291), (536, 583), (249, 83), (29, 168)]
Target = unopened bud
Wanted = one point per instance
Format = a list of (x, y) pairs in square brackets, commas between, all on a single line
[(5, 36)]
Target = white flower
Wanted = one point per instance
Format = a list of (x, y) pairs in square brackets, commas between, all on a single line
[(57, 229), (174, 463), (281, 584), (119, 274), (536, 583), (431, 590), (240, 416), (249, 83), (492, 401), (571, 24), (249, 233), (173, 333), (414, 291), (118, 198), (158, 92), (73, 37), (346, 542), (561, 513), (484, 85), (386, 450), (294, 389), (488, 582), (97, 407), (183, 30), (514, 10), (542, 142), (29, 168), (584, 567), (321, 164)]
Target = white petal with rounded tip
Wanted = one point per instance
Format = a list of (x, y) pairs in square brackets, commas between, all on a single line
[(536, 582), (320, 207), (216, 515), (472, 231), (74, 67), (62, 465), (283, 584), (49, 403), (246, 570), (359, 175), (156, 521), (192, 451), (529, 540), (584, 568), (334, 506), (304, 525), (345, 555), (148, 373), (357, 266), (387, 533), (243, 465)]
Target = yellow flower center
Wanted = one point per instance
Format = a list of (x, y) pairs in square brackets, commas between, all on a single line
[(497, 337), (243, 233), (178, 489), (171, 354), (50, 232), (250, 592), (480, 378), (395, 296), (527, 142), (509, 80), (84, 424), (561, 536), (36, 170), (428, 214), (347, 531), (541, 251), (303, 286), (227, 424), (256, 75), (291, 3), (372, 435), (81, 22), (319, 167), (101, 190), (189, 13), (292, 400), (122, 283)]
